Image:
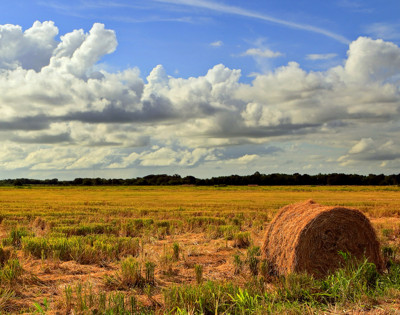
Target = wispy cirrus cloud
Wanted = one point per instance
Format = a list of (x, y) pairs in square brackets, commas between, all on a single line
[(320, 56), (263, 53), (228, 9), (355, 5), (78, 10), (100, 10), (217, 43), (383, 30), (60, 5), (127, 19)]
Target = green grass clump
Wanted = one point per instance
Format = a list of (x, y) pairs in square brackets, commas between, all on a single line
[(130, 274), (90, 228), (203, 222), (213, 298), (297, 288), (357, 283), (166, 263), (83, 249), (167, 227), (351, 283), (175, 251), (207, 298), (222, 231), (136, 227), (198, 269), (15, 237), (252, 259), (11, 272), (238, 264), (242, 239), (82, 299), (149, 271)]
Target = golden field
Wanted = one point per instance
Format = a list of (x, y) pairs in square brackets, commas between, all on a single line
[(123, 250)]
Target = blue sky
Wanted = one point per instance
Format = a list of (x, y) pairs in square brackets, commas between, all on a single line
[(178, 34), (129, 88)]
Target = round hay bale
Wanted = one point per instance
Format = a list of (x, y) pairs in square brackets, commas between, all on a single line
[(307, 237)]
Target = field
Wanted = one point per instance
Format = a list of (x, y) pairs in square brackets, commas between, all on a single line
[(185, 250)]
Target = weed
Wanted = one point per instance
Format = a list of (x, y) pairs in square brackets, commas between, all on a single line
[(83, 249), (175, 248), (131, 273), (89, 228), (5, 254), (245, 303), (387, 232), (202, 222), (296, 288), (258, 225), (351, 282), (389, 255), (253, 260), (237, 263), (136, 227), (265, 269), (392, 278), (15, 237), (11, 272), (226, 231), (68, 298), (166, 264), (85, 301), (237, 221), (162, 232), (198, 269), (6, 295), (242, 239), (207, 298), (41, 309), (150, 267)]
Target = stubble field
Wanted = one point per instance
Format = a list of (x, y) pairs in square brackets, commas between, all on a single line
[(185, 250)]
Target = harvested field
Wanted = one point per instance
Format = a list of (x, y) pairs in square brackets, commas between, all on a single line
[(95, 249)]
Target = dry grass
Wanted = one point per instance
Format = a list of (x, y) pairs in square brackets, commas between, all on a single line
[(308, 237), (69, 235)]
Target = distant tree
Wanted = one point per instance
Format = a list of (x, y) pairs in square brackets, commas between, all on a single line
[(87, 182), (18, 182), (77, 181)]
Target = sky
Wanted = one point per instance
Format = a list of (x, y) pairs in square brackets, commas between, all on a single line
[(122, 89)]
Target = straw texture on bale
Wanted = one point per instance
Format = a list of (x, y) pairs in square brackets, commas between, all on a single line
[(307, 237)]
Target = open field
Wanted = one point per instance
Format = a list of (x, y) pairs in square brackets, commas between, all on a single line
[(118, 250)]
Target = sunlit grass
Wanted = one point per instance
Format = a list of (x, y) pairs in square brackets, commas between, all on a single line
[(114, 227)]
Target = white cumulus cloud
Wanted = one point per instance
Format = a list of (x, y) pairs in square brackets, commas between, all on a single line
[(60, 112)]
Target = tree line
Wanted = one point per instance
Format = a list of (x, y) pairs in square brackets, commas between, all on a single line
[(254, 179)]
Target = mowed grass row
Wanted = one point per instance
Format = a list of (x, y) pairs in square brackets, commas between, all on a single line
[(108, 201), (76, 206), (135, 230)]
